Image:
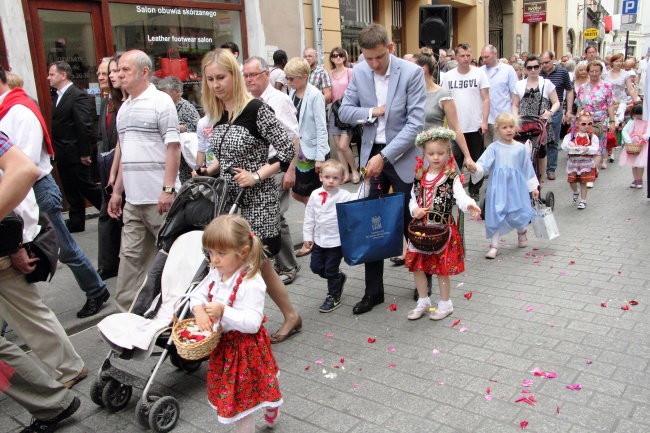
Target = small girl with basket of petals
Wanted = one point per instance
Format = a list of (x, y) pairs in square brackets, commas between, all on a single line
[(581, 145), (434, 189), (635, 153), (242, 372)]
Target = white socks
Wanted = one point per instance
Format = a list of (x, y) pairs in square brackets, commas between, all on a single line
[(424, 302), (445, 305)]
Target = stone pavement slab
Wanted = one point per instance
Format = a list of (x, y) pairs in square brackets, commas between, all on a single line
[(537, 307)]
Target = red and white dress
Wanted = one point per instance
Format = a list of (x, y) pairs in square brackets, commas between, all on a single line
[(242, 372), (580, 167), (438, 194)]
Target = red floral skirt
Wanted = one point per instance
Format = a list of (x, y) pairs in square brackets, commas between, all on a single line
[(450, 261), (242, 375)]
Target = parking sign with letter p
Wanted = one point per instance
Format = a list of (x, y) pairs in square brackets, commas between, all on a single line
[(630, 7)]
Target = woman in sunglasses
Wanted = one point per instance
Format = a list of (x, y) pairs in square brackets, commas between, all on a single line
[(535, 96), (340, 77)]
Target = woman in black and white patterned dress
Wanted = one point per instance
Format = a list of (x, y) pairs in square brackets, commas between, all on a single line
[(243, 130)]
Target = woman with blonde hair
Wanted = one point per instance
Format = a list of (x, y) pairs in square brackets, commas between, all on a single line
[(244, 129)]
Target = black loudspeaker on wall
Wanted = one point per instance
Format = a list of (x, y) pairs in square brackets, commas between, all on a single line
[(435, 26)]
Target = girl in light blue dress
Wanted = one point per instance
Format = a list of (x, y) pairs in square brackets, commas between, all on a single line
[(512, 177)]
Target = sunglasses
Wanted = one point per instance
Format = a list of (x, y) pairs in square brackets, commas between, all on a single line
[(290, 79), (586, 123), (337, 55), (532, 67)]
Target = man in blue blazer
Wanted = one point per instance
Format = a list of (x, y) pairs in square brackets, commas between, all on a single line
[(388, 96)]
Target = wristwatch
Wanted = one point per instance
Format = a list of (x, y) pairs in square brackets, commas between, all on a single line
[(383, 157), (169, 189), (257, 177)]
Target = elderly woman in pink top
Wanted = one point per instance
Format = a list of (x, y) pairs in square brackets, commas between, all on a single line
[(340, 77)]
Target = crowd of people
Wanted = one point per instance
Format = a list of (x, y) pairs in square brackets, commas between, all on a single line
[(422, 120)]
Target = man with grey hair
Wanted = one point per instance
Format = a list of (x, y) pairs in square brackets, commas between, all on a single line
[(149, 143), (256, 76), (502, 78), (318, 76)]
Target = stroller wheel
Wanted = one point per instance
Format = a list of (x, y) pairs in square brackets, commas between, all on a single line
[(143, 408), (550, 200), (116, 395), (164, 414), (96, 391)]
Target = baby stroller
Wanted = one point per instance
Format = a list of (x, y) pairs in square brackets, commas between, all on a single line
[(176, 271), (532, 132)]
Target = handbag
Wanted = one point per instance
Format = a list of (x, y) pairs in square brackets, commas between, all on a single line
[(45, 246), (371, 229), (11, 233), (174, 66), (544, 223), (352, 129)]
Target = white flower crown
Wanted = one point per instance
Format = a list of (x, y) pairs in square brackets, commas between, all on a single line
[(434, 134)]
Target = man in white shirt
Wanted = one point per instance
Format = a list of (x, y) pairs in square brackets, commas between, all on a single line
[(256, 76), (470, 89), (147, 125), (21, 119), (502, 79)]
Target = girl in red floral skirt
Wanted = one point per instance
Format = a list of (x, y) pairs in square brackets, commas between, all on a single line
[(434, 188), (242, 373)]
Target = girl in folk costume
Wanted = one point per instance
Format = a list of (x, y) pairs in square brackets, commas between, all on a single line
[(512, 177), (242, 372), (434, 189), (581, 144), (636, 131)]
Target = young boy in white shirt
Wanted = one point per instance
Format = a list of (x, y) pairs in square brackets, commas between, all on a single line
[(327, 252)]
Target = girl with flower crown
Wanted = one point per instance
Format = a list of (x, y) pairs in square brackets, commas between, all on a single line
[(435, 187), (242, 372), (512, 177), (581, 145)]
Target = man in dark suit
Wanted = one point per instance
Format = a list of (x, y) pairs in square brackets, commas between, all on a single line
[(71, 139), (388, 96)]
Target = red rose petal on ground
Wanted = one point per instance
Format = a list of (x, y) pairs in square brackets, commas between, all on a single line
[(575, 387), (557, 409), (535, 249), (371, 340), (342, 360), (523, 425), (392, 307), (456, 323), (572, 262), (634, 302), (488, 390), (625, 308), (468, 295), (335, 366), (392, 365), (308, 367), (603, 304)]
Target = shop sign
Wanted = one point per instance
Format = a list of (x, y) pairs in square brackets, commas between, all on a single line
[(534, 12), (591, 33)]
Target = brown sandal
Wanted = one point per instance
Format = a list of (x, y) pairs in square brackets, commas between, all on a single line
[(279, 338)]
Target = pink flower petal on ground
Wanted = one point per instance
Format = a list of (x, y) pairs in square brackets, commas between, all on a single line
[(589, 361), (391, 349), (319, 361), (435, 352), (536, 370), (603, 304), (441, 383), (526, 383), (550, 375), (329, 335), (529, 308), (536, 261), (392, 365), (356, 385), (557, 409), (575, 387), (526, 391), (523, 425), (488, 390), (562, 272), (463, 329), (488, 397)]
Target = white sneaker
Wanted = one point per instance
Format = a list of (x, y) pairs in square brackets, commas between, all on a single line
[(493, 253), (440, 314), (582, 204), (590, 184), (418, 311), (633, 184), (639, 185)]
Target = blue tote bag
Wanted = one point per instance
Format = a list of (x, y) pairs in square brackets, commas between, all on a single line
[(371, 229)]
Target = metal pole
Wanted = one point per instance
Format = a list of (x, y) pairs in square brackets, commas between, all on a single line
[(317, 19), (584, 26), (627, 41)]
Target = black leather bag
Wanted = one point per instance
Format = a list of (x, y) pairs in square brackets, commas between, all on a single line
[(11, 234), (45, 246), (352, 129)]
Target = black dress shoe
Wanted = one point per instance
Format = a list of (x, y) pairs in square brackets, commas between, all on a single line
[(416, 295), (366, 304), (105, 274), (397, 261), (92, 306)]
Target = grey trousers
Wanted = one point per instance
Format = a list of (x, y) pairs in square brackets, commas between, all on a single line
[(285, 260), (21, 305), (29, 385)]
